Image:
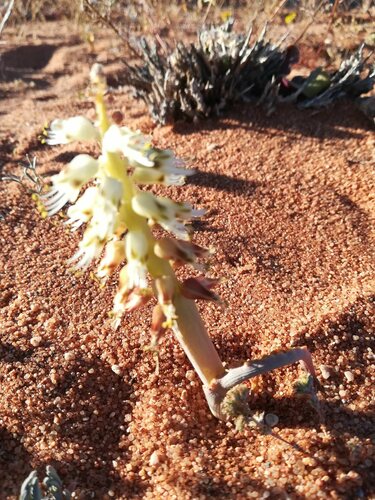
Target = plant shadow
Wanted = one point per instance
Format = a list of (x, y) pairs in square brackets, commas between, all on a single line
[(321, 124), (223, 182), (84, 415)]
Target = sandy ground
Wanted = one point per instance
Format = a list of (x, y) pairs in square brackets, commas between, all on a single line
[(290, 206)]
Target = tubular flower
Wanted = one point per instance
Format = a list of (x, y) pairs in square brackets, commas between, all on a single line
[(81, 212), (113, 256), (133, 145), (136, 250), (151, 165), (102, 224), (133, 290), (77, 128), (167, 213), (200, 288), (181, 252), (166, 169), (67, 184)]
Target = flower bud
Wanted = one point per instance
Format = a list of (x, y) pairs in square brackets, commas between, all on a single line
[(200, 288), (157, 324), (181, 252)]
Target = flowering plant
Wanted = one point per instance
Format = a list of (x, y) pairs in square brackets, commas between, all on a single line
[(120, 217)]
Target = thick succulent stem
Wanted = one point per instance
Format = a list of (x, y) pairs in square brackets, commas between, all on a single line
[(217, 390), (195, 341)]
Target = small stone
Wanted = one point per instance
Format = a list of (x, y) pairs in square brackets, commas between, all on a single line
[(116, 369), (325, 371), (309, 461), (53, 377), (212, 147), (190, 375), (35, 341), (69, 356), (349, 376), (271, 419), (342, 393), (155, 459)]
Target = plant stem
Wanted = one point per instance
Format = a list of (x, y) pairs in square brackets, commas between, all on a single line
[(188, 328), (195, 341), (216, 392)]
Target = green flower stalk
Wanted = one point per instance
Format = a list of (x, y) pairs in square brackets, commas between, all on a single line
[(119, 218)]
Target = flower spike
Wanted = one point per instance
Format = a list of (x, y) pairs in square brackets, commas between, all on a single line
[(118, 219)]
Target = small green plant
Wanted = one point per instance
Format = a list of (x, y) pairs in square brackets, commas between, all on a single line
[(120, 218), (51, 488), (321, 88)]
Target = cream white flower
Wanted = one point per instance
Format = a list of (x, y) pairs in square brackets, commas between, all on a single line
[(67, 184), (136, 250), (106, 208), (165, 212), (82, 211), (77, 128), (90, 247), (102, 224), (136, 275), (166, 169), (133, 290), (152, 165), (133, 145), (136, 245)]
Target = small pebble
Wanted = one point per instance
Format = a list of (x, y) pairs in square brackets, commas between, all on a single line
[(342, 393), (154, 458), (271, 419), (35, 341), (116, 369), (69, 356), (349, 376), (190, 375), (53, 377), (325, 371)]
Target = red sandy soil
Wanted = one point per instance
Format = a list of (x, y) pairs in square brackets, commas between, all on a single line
[(290, 206)]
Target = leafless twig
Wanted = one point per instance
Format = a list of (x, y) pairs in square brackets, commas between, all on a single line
[(6, 15)]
